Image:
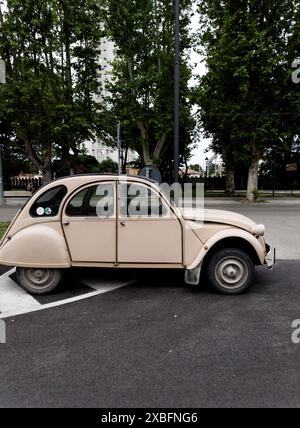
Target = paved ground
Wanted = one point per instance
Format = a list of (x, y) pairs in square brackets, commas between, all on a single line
[(78, 284), (158, 343)]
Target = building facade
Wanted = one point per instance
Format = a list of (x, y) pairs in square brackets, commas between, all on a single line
[(96, 147)]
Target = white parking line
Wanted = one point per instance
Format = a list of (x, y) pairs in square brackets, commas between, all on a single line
[(16, 301), (13, 297)]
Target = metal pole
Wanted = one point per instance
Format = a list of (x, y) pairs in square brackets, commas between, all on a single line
[(273, 192), (2, 200), (2, 81), (119, 148), (177, 91)]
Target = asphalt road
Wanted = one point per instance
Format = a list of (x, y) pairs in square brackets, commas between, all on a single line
[(159, 343)]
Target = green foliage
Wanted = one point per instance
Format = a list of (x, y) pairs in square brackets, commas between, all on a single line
[(247, 99), (142, 90), (80, 164), (51, 52), (3, 228), (196, 167), (256, 194), (108, 166)]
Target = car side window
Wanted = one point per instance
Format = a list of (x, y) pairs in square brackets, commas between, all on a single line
[(137, 200), (48, 204), (93, 201)]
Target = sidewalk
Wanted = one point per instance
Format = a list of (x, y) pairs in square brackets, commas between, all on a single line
[(240, 201), (12, 204), (16, 194), (229, 201)]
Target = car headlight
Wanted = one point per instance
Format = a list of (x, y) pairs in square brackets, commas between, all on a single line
[(258, 230)]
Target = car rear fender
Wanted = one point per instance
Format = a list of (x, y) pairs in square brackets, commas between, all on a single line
[(41, 245)]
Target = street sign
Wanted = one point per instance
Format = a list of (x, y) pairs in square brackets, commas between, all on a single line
[(2, 72), (151, 172), (291, 167)]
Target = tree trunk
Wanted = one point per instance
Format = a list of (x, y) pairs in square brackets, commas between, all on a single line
[(253, 175), (159, 146), (186, 169), (230, 180), (47, 176), (146, 154)]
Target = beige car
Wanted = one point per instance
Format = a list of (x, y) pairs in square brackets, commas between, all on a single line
[(128, 222)]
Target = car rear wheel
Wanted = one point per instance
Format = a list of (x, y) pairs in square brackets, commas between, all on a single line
[(39, 281), (230, 271)]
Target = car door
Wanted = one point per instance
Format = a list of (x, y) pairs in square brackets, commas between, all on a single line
[(89, 223), (148, 230)]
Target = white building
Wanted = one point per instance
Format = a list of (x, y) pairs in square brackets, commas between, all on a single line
[(96, 147)]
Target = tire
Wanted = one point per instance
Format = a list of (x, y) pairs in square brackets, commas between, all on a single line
[(230, 271), (39, 281)]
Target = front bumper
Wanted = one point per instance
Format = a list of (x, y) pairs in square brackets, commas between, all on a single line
[(271, 256)]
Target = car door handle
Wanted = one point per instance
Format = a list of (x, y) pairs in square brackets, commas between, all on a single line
[(66, 223), (122, 222)]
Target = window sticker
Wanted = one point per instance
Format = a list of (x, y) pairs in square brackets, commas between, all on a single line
[(40, 211), (48, 211)]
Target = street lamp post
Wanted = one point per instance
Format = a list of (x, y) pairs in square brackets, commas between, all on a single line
[(206, 167), (176, 91), (119, 148), (2, 82)]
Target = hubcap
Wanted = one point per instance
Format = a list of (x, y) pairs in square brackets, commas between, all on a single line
[(39, 278), (231, 273)]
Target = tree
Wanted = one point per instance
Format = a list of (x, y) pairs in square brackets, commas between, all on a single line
[(14, 158), (243, 96), (142, 91), (196, 167), (108, 166), (51, 51)]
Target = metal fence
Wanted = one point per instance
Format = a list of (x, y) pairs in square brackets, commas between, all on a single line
[(25, 183), (264, 183), (211, 183)]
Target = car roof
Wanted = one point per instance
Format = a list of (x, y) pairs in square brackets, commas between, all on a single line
[(77, 178), (93, 175)]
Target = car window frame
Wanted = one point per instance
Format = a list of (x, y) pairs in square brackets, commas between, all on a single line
[(40, 195), (169, 211), (82, 188)]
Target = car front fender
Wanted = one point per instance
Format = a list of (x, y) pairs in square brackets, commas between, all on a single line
[(229, 233)]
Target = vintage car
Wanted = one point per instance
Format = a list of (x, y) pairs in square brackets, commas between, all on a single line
[(128, 222)]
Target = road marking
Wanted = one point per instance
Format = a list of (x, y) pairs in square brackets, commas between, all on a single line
[(16, 301), (13, 297), (106, 285)]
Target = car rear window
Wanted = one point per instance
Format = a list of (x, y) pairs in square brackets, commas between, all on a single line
[(48, 204)]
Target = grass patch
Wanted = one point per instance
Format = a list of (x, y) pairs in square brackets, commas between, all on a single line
[(3, 227)]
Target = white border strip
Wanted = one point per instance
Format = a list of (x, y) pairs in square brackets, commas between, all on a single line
[(40, 307)]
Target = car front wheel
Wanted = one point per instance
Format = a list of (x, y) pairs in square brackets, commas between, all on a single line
[(230, 271), (39, 281)]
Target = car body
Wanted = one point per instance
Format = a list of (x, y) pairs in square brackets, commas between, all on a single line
[(105, 221)]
